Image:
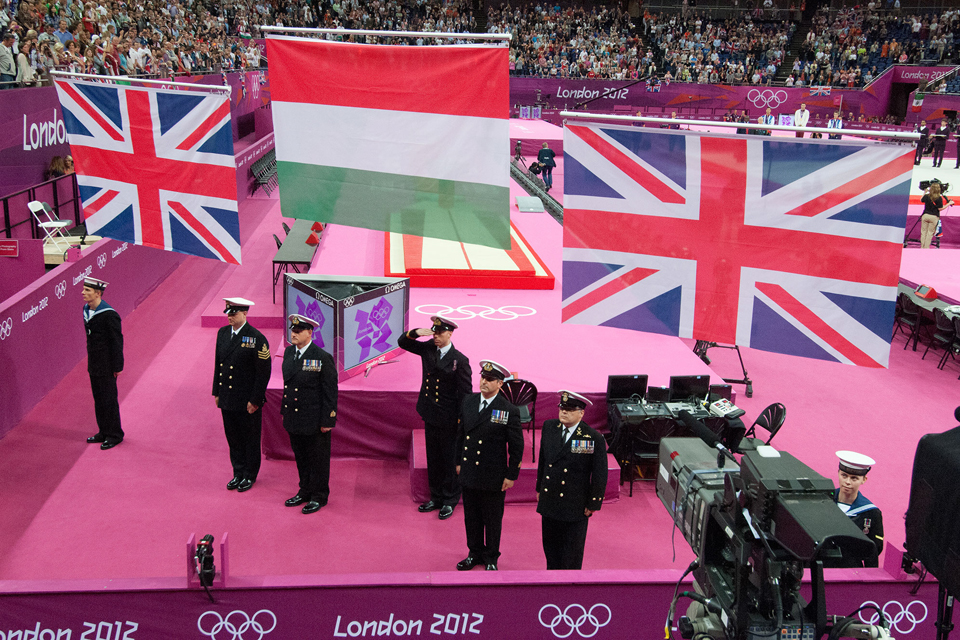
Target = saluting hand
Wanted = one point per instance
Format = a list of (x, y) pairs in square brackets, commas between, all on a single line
[(424, 332)]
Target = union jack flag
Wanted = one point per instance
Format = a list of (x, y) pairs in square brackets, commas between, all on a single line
[(155, 167), (821, 90), (780, 245)]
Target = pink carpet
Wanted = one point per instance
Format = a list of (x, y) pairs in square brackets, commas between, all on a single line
[(936, 268), (72, 511)]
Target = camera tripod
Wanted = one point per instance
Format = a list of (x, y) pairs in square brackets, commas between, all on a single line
[(518, 154), (701, 347)]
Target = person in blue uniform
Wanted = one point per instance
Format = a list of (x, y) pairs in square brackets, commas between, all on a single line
[(446, 382), (309, 411), (490, 443), (241, 371), (571, 481), (104, 362), (866, 515)]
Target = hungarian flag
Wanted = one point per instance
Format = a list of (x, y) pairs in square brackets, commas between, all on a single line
[(917, 102), (408, 139)]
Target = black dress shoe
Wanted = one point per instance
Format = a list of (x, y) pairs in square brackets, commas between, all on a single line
[(446, 511), (429, 506), (109, 445), (97, 439), (311, 507), (245, 485), (491, 566), (233, 484), (295, 501), (468, 563)]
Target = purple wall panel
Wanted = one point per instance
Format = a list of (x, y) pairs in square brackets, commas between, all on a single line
[(599, 604), (53, 306), (17, 273), (31, 133)]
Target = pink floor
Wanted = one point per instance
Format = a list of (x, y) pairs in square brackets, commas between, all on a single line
[(936, 268), (71, 511)]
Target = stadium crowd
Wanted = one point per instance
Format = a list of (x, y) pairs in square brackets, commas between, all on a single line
[(168, 37)]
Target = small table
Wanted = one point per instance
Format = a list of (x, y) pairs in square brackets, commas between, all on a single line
[(294, 251)]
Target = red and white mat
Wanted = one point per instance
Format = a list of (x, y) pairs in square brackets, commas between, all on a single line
[(430, 262)]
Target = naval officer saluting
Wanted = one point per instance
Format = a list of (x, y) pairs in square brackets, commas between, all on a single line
[(241, 372), (571, 481), (446, 382), (309, 412)]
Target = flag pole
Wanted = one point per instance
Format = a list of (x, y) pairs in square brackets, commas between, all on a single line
[(177, 85), (506, 37), (741, 125)]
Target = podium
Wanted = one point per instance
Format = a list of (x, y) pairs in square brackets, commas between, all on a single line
[(360, 317)]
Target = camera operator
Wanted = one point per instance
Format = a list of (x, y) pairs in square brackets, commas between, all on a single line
[(853, 473), (933, 203)]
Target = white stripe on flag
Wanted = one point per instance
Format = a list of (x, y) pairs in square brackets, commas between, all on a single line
[(424, 145)]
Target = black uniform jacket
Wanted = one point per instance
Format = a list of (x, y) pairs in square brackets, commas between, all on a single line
[(483, 441), (445, 383), (309, 391), (241, 369), (571, 476), (104, 340)]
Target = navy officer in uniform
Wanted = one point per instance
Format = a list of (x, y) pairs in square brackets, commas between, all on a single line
[(853, 473), (104, 362), (241, 372), (309, 412), (446, 382), (490, 443), (571, 481)]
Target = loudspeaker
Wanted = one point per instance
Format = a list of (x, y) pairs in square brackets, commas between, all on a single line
[(658, 394), (932, 526)]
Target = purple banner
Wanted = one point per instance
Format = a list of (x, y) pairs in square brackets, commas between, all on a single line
[(535, 604), (933, 109), (31, 133), (909, 74), (53, 306), (687, 98)]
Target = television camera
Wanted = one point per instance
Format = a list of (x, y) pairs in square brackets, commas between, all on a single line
[(755, 524)]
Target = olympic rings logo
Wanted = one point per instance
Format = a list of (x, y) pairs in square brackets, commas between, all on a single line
[(563, 624), (348, 302), (471, 311), (6, 327), (60, 289), (767, 98), (101, 260), (235, 631), (900, 613)]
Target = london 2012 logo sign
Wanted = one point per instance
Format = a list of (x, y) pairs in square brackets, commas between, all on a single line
[(575, 618), (237, 625)]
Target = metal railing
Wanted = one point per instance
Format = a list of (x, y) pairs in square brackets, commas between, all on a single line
[(60, 193)]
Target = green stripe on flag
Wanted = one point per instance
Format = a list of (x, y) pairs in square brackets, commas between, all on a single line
[(445, 209)]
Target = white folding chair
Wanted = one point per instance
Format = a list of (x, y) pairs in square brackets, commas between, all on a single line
[(50, 224)]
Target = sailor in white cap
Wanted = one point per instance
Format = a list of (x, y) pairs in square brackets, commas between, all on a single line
[(309, 410), (853, 473), (490, 444), (104, 362), (571, 481), (446, 382), (241, 371)]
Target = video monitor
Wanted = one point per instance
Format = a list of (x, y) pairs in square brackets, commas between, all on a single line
[(625, 387), (687, 387)]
